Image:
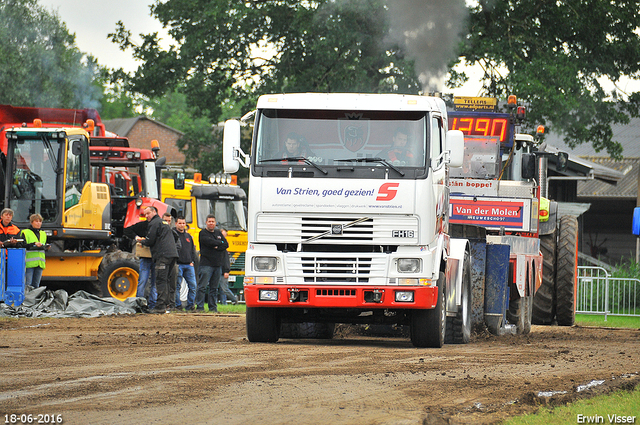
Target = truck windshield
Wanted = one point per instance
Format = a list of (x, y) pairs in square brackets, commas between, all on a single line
[(341, 138), (35, 171), (229, 214)]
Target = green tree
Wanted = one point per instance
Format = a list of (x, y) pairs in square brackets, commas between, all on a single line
[(551, 54), (39, 62), (231, 51)]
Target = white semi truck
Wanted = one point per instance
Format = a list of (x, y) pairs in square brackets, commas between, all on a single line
[(348, 217)]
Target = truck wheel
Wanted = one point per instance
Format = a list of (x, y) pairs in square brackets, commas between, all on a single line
[(428, 326), (516, 314), (459, 327), (263, 324), (544, 299), (118, 275), (307, 330), (567, 271)]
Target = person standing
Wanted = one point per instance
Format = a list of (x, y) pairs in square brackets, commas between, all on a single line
[(35, 241), (212, 247), (186, 261), (147, 266), (167, 218), (8, 230), (224, 291), (164, 253)]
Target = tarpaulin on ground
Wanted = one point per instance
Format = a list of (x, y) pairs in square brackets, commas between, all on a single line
[(41, 302)]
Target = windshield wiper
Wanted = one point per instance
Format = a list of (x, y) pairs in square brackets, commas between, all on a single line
[(376, 159), (51, 154), (296, 158)]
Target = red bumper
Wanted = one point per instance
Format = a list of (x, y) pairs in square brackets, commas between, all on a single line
[(424, 297)]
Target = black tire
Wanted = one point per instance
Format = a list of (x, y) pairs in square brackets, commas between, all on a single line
[(118, 275), (516, 314), (263, 324), (459, 326), (307, 330), (428, 327), (567, 269), (544, 300)]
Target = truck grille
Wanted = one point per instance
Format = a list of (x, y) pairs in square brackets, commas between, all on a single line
[(293, 228), (331, 270), (336, 268)]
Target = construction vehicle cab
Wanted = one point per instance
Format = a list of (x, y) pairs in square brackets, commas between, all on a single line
[(133, 177)]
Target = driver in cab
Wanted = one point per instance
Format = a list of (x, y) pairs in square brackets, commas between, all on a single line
[(398, 150)]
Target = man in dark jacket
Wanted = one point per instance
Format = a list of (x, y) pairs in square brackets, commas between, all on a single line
[(160, 238), (212, 247), (186, 263)]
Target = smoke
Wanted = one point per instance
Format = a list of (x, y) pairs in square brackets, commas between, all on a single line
[(429, 32)]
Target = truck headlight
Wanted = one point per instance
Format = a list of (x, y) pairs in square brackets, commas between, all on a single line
[(404, 296), (268, 295), (265, 264), (408, 265)]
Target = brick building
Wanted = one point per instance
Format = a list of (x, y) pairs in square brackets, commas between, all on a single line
[(142, 130)]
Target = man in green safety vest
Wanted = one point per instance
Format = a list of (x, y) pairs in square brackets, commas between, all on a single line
[(35, 241)]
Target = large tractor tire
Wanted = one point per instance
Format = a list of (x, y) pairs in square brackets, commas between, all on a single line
[(544, 299), (263, 324), (428, 327), (118, 275), (307, 330), (459, 326), (567, 271)]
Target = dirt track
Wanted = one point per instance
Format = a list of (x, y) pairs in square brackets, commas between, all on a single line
[(187, 368)]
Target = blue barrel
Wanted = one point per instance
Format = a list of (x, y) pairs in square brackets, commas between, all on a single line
[(3, 275), (16, 265), (496, 290)]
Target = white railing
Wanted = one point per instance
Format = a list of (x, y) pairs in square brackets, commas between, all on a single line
[(600, 293)]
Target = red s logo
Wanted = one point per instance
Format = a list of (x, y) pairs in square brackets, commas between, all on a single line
[(387, 191)]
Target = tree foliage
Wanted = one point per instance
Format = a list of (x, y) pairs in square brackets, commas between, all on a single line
[(232, 50), (553, 55), (39, 62)]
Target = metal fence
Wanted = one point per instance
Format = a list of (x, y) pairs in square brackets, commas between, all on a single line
[(600, 293)]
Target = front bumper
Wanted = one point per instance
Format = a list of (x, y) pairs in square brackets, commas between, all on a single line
[(302, 296)]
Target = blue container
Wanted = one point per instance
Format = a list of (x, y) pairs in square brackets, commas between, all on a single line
[(16, 265), (496, 292), (3, 276), (635, 225)]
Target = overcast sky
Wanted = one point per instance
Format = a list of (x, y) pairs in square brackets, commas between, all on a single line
[(92, 20)]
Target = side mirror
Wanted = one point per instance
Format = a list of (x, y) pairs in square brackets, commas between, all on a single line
[(230, 145), (562, 161), (76, 147), (455, 146), (178, 180), (528, 166)]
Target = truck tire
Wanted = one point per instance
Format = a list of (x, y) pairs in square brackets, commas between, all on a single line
[(263, 324), (118, 275), (428, 327), (567, 271), (459, 326), (544, 299), (307, 330), (516, 314)]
